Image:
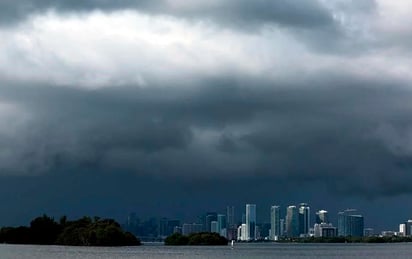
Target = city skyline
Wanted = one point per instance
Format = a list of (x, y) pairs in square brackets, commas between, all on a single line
[(350, 223), (180, 107)]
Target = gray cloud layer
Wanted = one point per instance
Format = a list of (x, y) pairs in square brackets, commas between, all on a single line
[(244, 13), (345, 135), (204, 94)]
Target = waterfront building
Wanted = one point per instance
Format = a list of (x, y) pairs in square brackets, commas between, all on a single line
[(210, 216), (402, 229), (321, 217), (274, 222), (408, 228), (221, 224), (292, 221), (214, 227), (282, 227), (231, 225), (163, 228), (304, 219), (230, 217), (350, 223), (244, 236), (324, 230), (251, 221)]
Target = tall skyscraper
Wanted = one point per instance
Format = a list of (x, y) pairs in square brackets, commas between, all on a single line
[(214, 227), (292, 221), (304, 219), (230, 216), (250, 221), (322, 217), (274, 222), (210, 216), (282, 227), (231, 228), (350, 223), (221, 224)]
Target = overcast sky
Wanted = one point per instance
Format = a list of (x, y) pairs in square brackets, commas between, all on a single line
[(175, 107)]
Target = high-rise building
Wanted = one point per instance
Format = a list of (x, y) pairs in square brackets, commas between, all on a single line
[(304, 219), (350, 223), (214, 227), (221, 224), (163, 228), (230, 216), (402, 229), (408, 228), (292, 221), (282, 227), (322, 217), (239, 233), (274, 222), (250, 221), (231, 227), (210, 216), (244, 232)]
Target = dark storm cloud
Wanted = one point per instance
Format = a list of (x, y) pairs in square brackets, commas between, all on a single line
[(335, 135), (244, 13)]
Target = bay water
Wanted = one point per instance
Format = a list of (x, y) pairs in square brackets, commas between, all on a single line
[(266, 250)]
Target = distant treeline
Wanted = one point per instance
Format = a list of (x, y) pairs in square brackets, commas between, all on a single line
[(196, 239), (82, 232), (372, 239)]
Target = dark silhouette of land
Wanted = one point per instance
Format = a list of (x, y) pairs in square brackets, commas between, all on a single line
[(82, 232)]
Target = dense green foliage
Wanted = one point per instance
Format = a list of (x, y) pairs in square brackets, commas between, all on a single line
[(83, 232), (177, 240), (198, 239)]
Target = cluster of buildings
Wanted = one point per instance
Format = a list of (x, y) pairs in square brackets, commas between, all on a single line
[(285, 223), (294, 221), (297, 223), (405, 229)]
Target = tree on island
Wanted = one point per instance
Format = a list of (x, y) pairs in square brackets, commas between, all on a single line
[(82, 232), (197, 239)]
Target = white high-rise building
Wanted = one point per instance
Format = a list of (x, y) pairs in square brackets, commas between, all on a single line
[(274, 222), (402, 229), (250, 222), (322, 217), (242, 233)]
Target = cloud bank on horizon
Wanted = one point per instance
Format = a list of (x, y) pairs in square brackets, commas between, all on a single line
[(291, 90)]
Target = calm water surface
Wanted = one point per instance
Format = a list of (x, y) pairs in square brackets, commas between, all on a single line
[(303, 251)]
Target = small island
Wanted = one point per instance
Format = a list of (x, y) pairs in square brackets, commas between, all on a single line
[(82, 232), (196, 239)]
